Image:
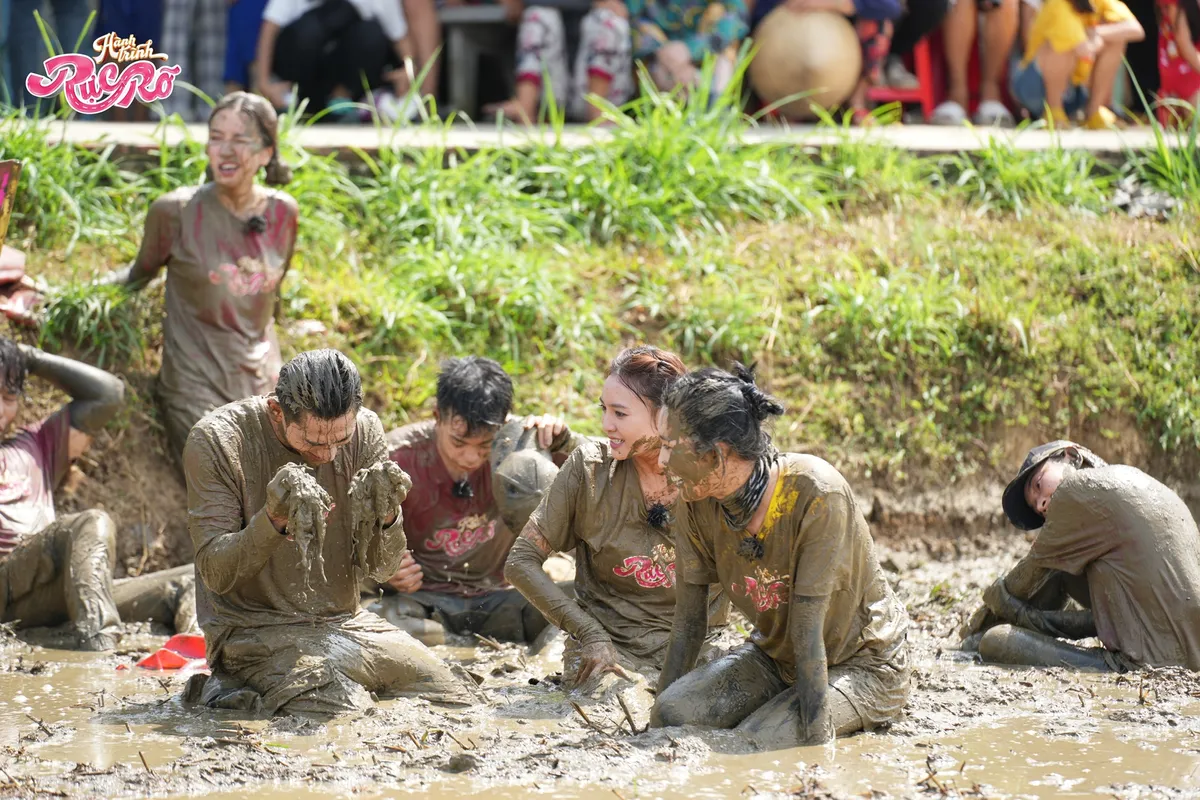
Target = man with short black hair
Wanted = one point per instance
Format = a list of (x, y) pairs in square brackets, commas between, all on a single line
[(456, 521), (292, 502), (1121, 544)]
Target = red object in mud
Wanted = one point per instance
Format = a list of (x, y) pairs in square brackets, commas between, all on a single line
[(181, 650)]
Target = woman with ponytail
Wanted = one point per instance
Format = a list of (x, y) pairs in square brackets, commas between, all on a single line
[(226, 245), (782, 534), (611, 503)]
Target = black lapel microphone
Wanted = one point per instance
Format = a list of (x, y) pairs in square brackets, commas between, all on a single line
[(256, 224)]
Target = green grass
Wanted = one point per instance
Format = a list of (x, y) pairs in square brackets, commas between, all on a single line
[(909, 311)]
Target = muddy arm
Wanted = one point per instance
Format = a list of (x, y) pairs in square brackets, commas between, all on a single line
[(96, 396), (1006, 605), (158, 238), (227, 554), (687, 633), (807, 627), (523, 569)]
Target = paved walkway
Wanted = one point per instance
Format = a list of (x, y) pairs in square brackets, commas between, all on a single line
[(327, 138)]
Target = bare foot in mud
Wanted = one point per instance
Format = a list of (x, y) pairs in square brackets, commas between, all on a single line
[(296, 503)]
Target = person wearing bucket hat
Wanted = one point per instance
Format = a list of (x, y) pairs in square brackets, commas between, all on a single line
[(613, 505), (1110, 537), (459, 531)]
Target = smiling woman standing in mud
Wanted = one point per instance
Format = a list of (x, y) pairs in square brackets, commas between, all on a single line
[(782, 533), (227, 245), (612, 504)]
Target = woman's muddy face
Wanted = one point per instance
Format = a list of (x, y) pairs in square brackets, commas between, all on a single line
[(627, 420), (697, 476), (236, 152), (1044, 482)]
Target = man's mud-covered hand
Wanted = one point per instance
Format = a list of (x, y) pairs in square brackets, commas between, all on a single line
[(549, 428), (377, 492), (409, 577), (598, 658), (291, 493)]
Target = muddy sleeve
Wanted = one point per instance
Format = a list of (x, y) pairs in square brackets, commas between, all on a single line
[(385, 551), (1077, 531), (806, 625), (694, 558), (228, 552), (523, 569), (554, 518), (1059, 624), (96, 396), (161, 231), (687, 632), (823, 544)]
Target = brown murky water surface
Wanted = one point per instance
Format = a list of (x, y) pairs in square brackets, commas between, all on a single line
[(71, 724)]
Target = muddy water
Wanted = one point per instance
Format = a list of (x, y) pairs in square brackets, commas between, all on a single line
[(970, 731)]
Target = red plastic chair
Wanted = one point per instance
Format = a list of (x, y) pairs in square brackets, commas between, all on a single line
[(925, 93)]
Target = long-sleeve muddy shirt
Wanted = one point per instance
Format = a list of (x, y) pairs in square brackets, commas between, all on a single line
[(250, 576), (1138, 545)]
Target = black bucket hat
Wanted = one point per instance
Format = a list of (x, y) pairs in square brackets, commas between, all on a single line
[(1018, 511), (521, 473)]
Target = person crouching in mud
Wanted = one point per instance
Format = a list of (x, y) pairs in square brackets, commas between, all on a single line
[(56, 570), (612, 504), (1121, 544), (782, 533), (292, 502), (459, 533)]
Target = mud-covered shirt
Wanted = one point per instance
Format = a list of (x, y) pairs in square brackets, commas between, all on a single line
[(32, 464), (1138, 545), (461, 543), (249, 574), (219, 342), (624, 567), (816, 543)]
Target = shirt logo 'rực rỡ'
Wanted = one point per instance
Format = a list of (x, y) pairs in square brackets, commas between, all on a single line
[(121, 73)]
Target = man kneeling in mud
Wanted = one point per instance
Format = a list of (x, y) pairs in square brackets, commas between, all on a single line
[(292, 502), (55, 571), (1120, 543), (476, 484)]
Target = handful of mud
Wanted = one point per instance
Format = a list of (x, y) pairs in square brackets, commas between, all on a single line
[(295, 489), (375, 496)]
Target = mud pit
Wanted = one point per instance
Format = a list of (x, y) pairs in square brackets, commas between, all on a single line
[(71, 725)]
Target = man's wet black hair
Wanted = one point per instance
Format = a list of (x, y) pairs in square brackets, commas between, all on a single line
[(715, 406), (476, 389), (14, 366), (324, 383)]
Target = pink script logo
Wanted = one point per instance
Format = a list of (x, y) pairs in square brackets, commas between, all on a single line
[(89, 89)]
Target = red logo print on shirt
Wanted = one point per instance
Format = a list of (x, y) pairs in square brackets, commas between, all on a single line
[(652, 571), (767, 591), (471, 532)]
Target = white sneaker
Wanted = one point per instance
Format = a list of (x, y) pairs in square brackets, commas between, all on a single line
[(948, 113), (993, 113), (897, 76), (392, 108)]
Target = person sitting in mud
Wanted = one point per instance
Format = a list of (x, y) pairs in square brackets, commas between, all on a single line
[(292, 503), (452, 578), (56, 570), (783, 534), (1118, 542), (612, 504), (227, 246)]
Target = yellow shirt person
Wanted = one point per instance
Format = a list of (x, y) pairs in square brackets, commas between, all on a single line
[(1063, 28)]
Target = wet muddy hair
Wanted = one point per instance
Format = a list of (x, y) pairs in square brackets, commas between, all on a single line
[(648, 372), (259, 111), (14, 366), (716, 406), (323, 383), (476, 389)]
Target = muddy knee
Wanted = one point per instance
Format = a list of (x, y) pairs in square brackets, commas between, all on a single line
[(96, 526), (1008, 644), (675, 707)]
